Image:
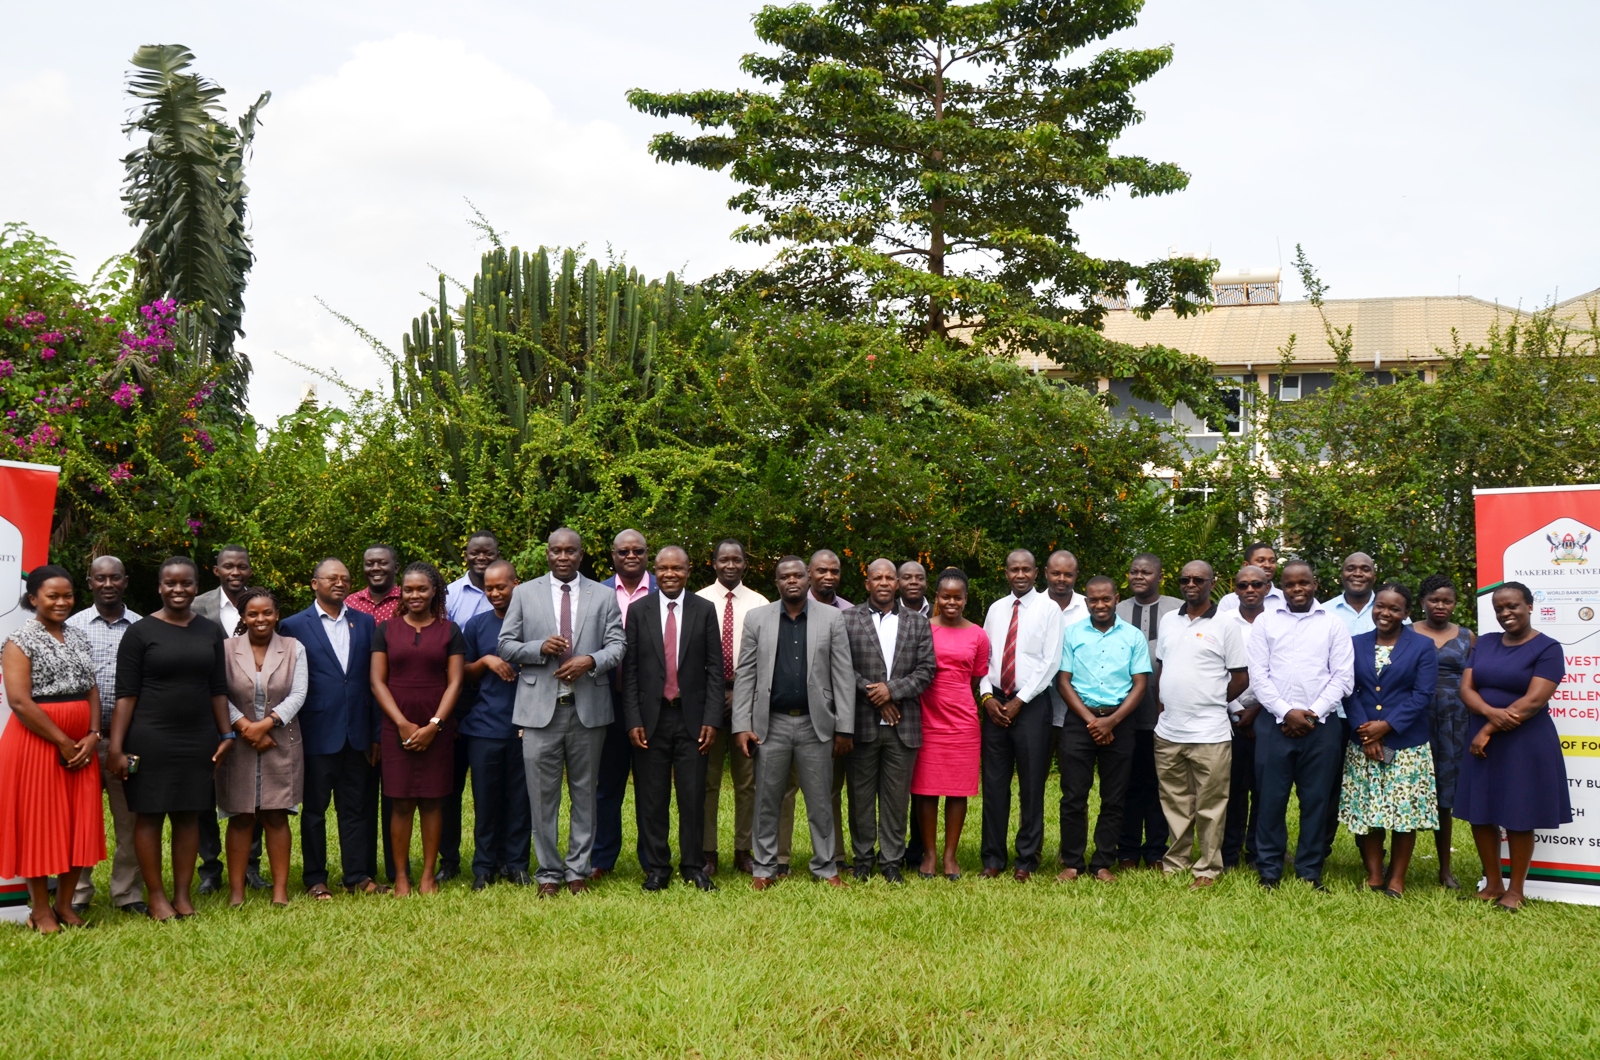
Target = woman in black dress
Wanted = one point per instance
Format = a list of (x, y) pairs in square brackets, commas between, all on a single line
[(169, 730)]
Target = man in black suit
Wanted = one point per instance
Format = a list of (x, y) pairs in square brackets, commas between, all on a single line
[(671, 703)]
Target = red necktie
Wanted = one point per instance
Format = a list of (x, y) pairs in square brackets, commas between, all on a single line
[(1008, 660), (566, 621), (669, 642), (727, 640)]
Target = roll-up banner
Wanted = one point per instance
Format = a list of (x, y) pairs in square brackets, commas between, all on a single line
[(1548, 538), (27, 507)]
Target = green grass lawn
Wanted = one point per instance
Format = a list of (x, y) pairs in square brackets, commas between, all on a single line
[(1139, 968)]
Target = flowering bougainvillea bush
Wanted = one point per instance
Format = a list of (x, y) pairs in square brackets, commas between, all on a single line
[(109, 391)]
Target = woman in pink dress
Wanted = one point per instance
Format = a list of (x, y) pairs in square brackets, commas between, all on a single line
[(948, 762)]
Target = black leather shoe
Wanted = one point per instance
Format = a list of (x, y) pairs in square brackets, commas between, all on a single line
[(701, 880), (891, 874), (1269, 884), (781, 871), (135, 909), (209, 885), (657, 881), (481, 883), (254, 880), (446, 874), (519, 877), (862, 873)]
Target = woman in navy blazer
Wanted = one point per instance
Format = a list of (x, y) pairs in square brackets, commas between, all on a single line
[(1388, 764)]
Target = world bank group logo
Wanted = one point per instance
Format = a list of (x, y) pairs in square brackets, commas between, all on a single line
[(1569, 547)]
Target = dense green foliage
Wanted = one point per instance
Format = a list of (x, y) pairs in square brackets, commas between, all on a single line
[(940, 150), (185, 186), (116, 393)]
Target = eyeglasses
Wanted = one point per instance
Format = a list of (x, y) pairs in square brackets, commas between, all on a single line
[(628, 551), (1251, 585), (1193, 579)]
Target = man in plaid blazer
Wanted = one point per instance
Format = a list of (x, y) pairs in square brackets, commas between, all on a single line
[(891, 649)]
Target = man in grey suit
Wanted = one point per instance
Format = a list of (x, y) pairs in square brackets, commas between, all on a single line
[(565, 631), (891, 649), (794, 705), (233, 573)]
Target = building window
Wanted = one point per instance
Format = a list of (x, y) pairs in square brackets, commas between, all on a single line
[(1233, 404), (1288, 388)]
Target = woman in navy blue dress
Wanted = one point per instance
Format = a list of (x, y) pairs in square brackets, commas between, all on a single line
[(1513, 776)]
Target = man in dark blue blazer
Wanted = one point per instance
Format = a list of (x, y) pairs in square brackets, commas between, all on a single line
[(630, 557), (339, 727)]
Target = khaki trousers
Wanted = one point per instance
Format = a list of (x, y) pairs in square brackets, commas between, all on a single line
[(743, 772), (1194, 779), (127, 886)]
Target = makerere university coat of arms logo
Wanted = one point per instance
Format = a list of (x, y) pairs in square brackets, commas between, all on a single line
[(1569, 547)]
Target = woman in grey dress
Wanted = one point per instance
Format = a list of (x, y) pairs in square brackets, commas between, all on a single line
[(1447, 718), (265, 776)]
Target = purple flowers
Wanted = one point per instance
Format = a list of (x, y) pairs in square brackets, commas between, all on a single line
[(195, 525), (205, 441), (205, 391), (47, 354), (122, 472), (126, 395), (7, 369)]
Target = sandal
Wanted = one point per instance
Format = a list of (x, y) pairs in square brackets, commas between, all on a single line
[(34, 926), (320, 892), (367, 885)]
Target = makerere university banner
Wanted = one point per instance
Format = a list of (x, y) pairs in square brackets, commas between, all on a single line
[(27, 507), (1548, 538)]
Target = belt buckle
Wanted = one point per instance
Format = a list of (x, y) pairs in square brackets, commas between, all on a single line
[(566, 700)]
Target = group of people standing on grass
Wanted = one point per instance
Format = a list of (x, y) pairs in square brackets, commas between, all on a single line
[(1199, 714)]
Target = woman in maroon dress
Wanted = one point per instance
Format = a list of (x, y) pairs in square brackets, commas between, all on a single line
[(948, 762), (417, 666)]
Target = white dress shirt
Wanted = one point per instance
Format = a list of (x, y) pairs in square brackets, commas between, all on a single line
[(338, 631), (564, 687), (1039, 628), (887, 624), (1247, 698), (1301, 660), (1075, 612), (227, 616), (665, 599), (744, 600)]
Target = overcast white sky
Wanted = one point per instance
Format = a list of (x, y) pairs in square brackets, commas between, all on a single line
[(1411, 147)]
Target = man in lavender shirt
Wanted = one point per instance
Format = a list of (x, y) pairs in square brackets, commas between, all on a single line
[(1301, 667)]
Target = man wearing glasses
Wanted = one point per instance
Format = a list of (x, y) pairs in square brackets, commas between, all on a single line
[(632, 582), (1251, 586)]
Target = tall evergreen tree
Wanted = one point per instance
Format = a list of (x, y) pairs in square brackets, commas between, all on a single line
[(941, 149)]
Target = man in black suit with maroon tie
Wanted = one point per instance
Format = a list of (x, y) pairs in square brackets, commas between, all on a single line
[(672, 702)]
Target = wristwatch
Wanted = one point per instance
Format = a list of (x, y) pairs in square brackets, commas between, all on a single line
[(277, 722), (436, 722)]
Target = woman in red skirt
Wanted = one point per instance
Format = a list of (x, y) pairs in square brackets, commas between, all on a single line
[(50, 809), (418, 663)]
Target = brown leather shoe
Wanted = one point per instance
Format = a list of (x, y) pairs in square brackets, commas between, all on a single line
[(1022, 875), (598, 874), (549, 890), (744, 861), (989, 874), (1066, 875), (833, 881), (761, 883), (711, 863), (1128, 864), (1202, 882), (577, 886), (1106, 876)]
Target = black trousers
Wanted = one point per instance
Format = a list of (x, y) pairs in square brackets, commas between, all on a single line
[(1335, 791), (616, 758), (1144, 826), (673, 758), (1022, 749), (1308, 764), (211, 847), (450, 833), (502, 827), (1079, 757), (353, 785), (1244, 805)]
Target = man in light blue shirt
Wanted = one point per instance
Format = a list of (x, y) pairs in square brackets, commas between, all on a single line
[(464, 600), (1105, 666), (1353, 607)]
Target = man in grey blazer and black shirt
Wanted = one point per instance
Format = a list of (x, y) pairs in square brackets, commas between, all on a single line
[(794, 704), (565, 631)]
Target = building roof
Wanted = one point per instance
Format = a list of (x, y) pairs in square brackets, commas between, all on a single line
[(1396, 330)]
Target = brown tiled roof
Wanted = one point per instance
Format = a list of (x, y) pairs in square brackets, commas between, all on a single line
[(1398, 329)]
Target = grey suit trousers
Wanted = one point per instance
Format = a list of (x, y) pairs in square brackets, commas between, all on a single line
[(792, 741), (565, 745), (880, 797)]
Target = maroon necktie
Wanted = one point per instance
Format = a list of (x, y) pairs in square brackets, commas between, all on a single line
[(566, 620), (669, 642), (727, 640), (1008, 659)]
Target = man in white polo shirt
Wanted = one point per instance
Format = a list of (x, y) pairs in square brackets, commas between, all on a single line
[(1201, 666)]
